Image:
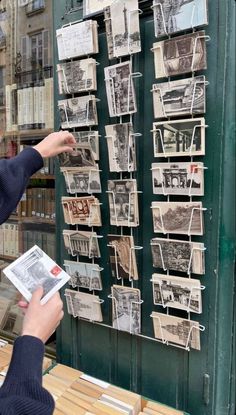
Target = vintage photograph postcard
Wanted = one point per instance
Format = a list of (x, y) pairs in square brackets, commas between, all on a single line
[(86, 181), (78, 112), (180, 55), (178, 255), (179, 138), (176, 292), (178, 217), (181, 97), (178, 178), (81, 210), (90, 137), (84, 275), (79, 39), (176, 330), (33, 269), (126, 309), (120, 89), (83, 305), (80, 158), (95, 6), (122, 257), (77, 76), (121, 147), (178, 15), (82, 243), (123, 202)]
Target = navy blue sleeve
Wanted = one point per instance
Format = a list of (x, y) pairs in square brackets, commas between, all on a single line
[(22, 391), (14, 176)]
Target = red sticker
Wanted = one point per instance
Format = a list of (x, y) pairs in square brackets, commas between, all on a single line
[(55, 271), (194, 168)]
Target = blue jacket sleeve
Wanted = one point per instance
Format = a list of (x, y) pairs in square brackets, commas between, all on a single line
[(22, 391), (14, 176)]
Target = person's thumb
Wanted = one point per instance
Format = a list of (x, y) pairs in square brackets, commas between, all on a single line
[(37, 295)]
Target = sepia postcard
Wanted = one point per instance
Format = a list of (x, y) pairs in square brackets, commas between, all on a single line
[(95, 6), (179, 138), (90, 137), (78, 112), (180, 55), (126, 308), (77, 76), (78, 39), (80, 158), (33, 269), (176, 292), (178, 217), (83, 305), (120, 89), (175, 16), (86, 181), (81, 210), (123, 37), (121, 147), (178, 255), (181, 97), (84, 275), (82, 243), (175, 330), (123, 202), (178, 178), (122, 257)]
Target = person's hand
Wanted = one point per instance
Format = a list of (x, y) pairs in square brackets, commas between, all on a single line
[(56, 143), (41, 320)]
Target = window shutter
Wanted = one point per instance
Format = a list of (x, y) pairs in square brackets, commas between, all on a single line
[(24, 53), (46, 48)]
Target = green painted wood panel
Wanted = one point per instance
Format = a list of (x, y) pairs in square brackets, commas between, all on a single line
[(168, 374)]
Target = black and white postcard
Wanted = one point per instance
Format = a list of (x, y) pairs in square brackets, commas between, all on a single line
[(120, 89), (84, 275), (83, 305), (77, 76), (181, 97), (178, 255), (79, 39), (178, 178), (175, 330), (95, 6), (33, 269), (180, 55), (78, 112), (81, 210), (178, 217), (80, 158), (122, 257), (126, 308), (90, 137), (86, 181), (82, 243), (121, 147), (176, 292), (123, 202), (179, 138), (172, 17)]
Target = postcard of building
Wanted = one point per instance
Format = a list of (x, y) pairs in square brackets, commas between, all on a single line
[(121, 147), (86, 181), (179, 138), (84, 275), (81, 210), (82, 243), (175, 330), (120, 89), (95, 6), (122, 257), (126, 309), (80, 158), (176, 292), (178, 217), (180, 55), (33, 269), (172, 17), (178, 178), (90, 137), (77, 76), (181, 97), (123, 202), (78, 112), (83, 305), (78, 39), (178, 255)]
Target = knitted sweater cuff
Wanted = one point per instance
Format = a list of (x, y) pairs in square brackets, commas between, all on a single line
[(31, 159)]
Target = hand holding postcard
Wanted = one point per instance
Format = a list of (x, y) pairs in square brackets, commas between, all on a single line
[(34, 269)]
